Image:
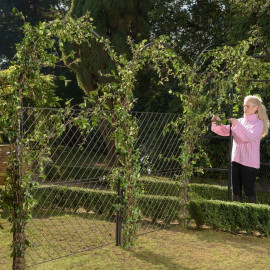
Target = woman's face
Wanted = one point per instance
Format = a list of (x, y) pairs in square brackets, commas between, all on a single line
[(249, 108)]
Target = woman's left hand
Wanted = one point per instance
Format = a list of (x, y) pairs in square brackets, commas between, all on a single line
[(233, 121)]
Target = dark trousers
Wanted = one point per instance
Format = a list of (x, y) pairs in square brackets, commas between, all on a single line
[(243, 176)]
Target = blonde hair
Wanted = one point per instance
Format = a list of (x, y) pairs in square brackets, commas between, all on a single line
[(262, 114)]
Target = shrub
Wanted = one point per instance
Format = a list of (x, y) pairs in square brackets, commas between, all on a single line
[(160, 207), (73, 198), (214, 192), (104, 202), (64, 173), (208, 192), (231, 217), (160, 187)]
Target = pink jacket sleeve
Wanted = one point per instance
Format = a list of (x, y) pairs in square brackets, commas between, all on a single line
[(246, 135), (221, 130)]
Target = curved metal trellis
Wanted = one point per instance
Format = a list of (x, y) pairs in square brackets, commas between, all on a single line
[(197, 63)]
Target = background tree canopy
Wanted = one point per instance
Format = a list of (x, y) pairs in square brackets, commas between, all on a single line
[(191, 25), (34, 11), (115, 20)]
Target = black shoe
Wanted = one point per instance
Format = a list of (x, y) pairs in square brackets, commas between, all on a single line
[(237, 198), (251, 199)]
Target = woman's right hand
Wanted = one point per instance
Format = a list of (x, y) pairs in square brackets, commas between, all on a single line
[(215, 119)]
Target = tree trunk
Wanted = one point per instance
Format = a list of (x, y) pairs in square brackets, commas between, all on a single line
[(106, 131), (18, 223), (19, 238)]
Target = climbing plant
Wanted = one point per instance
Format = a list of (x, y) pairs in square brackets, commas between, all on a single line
[(206, 90), (26, 86)]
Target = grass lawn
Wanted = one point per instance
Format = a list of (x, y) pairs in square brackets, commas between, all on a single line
[(174, 248)]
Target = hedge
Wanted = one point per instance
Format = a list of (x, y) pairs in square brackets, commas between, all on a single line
[(230, 216), (196, 191), (161, 208), (214, 192), (54, 172), (73, 198), (160, 187)]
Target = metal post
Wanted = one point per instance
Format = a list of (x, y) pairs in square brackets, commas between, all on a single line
[(229, 195), (119, 216)]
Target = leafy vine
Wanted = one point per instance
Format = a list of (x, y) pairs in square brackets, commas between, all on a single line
[(204, 94)]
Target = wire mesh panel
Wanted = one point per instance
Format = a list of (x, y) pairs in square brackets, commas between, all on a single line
[(159, 144), (75, 204), (75, 209)]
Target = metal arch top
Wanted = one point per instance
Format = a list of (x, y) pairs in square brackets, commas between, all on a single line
[(208, 49)]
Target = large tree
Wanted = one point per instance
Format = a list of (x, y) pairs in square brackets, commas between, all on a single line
[(115, 20), (251, 18), (192, 24), (34, 11)]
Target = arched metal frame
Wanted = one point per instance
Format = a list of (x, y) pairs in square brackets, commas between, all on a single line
[(264, 56), (207, 49)]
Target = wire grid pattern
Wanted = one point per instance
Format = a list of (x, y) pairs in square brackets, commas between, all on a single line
[(75, 203), (157, 147), (75, 210)]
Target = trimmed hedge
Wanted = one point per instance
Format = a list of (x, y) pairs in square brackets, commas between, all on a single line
[(161, 208), (231, 217), (208, 192), (196, 191), (73, 198), (53, 172), (214, 192), (228, 216), (160, 187)]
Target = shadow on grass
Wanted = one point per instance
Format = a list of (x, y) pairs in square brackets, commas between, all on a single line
[(241, 241), (60, 212), (156, 259)]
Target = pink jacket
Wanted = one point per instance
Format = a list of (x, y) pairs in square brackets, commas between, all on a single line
[(246, 139)]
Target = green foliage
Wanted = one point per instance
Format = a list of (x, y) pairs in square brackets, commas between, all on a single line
[(251, 18), (157, 208), (45, 98), (206, 91), (208, 192), (206, 87), (214, 192), (160, 187), (162, 208), (116, 21), (191, 25), (204, 94), (231, 217), (51, 197), (11, 31), (25, 83), (66, 173)]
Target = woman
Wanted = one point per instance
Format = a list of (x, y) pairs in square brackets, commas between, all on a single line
[(247, 133)]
